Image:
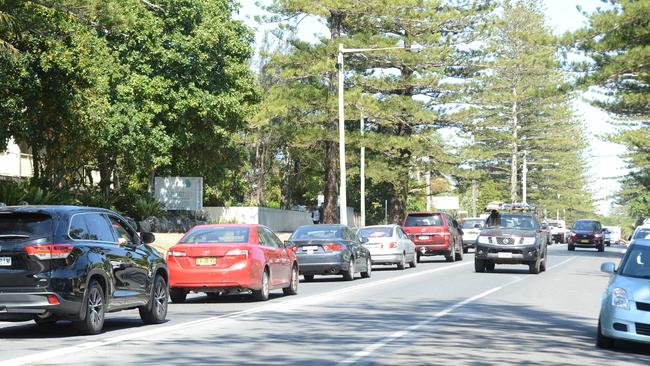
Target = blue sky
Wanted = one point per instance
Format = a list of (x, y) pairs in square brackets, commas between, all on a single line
[(562, 15)]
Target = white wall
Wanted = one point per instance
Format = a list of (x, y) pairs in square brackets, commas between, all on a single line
[(15, 164), (275, 219)]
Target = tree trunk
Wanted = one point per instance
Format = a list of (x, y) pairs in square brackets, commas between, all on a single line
[(397, 209), (515, 148), (105, 177)]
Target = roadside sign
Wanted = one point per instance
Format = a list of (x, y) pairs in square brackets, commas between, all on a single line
[(446, 202), (180, 193)]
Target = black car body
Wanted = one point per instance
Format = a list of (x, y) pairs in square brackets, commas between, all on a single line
[(587, 233), (330, 250), (511, 238), (77, 263)]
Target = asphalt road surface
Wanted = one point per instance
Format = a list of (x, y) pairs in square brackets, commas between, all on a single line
[(436, 314)]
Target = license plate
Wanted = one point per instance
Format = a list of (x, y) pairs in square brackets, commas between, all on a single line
[(584, 241), (504, 255), (5, 261), (423, 237), (206, 261)]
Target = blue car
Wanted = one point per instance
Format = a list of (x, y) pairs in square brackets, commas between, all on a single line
[(625, 308)]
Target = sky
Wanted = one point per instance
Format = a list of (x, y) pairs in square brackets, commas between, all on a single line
[(605, 165)]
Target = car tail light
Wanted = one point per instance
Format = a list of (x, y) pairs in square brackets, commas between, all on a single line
[(238, 253), (174, 253), (52, 300), (49, 251), (392, 245), (332, 247), (296, 248)]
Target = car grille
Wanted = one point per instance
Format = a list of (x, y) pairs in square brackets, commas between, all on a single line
[(643, 306), (643, 329), (508, 240)]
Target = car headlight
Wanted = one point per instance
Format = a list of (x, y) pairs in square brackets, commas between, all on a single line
[(598, 235), (528, 241), (483, 240), (620, 299)]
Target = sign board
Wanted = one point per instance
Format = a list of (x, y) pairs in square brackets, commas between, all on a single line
[(445, 202), (180, 193)]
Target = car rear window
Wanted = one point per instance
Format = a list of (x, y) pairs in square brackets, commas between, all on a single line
[(423, 220), (18, 225), (376, 232), (316, 233), (470, 224), (587, 225), (216, 235)]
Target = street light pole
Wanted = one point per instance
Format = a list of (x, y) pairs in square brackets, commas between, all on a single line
[(524, 173), (343, 204), (362, 173)]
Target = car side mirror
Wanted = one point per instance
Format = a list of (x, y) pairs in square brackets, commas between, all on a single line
[(608, 267), (147, 238), (477, 226)]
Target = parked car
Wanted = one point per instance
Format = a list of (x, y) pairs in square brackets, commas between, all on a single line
[(511, 238), (559, 231), (77, 263), (607, 238), (625, 307), (435, 233), (546, 232), (231, 258), (614, 233), (471, 227), (587, 233), (388, 244), (330, 250), (640, 232)]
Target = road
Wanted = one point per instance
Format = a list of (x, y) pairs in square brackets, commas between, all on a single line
[(437, 314)]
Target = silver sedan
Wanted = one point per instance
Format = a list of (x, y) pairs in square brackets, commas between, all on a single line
[(625, 308), (388, 244)]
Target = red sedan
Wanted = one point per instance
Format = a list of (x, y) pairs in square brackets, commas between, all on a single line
[(231, 258)]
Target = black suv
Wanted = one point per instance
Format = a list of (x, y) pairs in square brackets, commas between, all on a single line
[(511, 238), (587, 233), (77, 263)]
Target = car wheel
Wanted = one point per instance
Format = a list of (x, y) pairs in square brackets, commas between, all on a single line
[(402, 263), (451, 257), (601, 248), (489, 266), (308, 278), (603, 341), (349, 274), (465, 250), (414, 262), (542, 266), (419, 257), (459, 255), (292, 289), (571, 248), (263, 293), (156, 311), (177, 295), (368, 271), (534, 267), (479, 265), (95, 310)]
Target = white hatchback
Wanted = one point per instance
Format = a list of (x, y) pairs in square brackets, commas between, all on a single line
[(388, 244)]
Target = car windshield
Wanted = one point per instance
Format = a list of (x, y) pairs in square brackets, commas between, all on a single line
[(15, 225), (423, 220), (642, 234), (586, 225), (637, 262), (376, 232), (470, 224), (511, 221), (216, 235), (316, 233)]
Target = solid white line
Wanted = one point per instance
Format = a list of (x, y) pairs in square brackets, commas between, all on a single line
[(284, 306), (367, 351)]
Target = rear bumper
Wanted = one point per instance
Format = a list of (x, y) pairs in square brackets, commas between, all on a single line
[(432, 249), (386, 258), (630, 318), (245, 275), (323, 263), (21, 306), (469, 243), (513, 254)]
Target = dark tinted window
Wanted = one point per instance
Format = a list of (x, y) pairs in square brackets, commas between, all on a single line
[(587, 225), (637, 262), (32, 225), (91, 226), (217, 235), (512, 221), (274, 238), (318, 232), (122, 231), (423, 220), (78, 229), (265, 238)]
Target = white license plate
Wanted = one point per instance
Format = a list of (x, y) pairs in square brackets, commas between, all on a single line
[(504, 255), (5, 261), (423, 237), (310, 249)]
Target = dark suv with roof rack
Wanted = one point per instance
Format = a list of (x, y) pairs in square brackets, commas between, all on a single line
[(77, 263)]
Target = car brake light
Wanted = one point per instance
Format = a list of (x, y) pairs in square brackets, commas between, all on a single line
[(241, 253), (392, 245), (332, 247), (49, 251), (52, 300)]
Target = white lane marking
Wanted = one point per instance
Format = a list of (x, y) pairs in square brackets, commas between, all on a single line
[(167, 330), (367, 351)]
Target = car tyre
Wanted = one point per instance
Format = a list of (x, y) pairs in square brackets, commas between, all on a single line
[(451, 257), (459, 255), (534, 267), (479, 265), (489, 266), (419, 257), (414, 262), (601, 248), (402, 263), (308, 278), (465, 250), (263, 293), (368, 271), (156, 311), (603, 341), (292, 289), (95, 310), (571, 248), (177, 295), (349, 274)]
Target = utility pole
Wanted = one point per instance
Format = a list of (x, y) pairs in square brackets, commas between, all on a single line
[(524, 172), (343, 202), (363, 175), (428, 189), (474, 197)]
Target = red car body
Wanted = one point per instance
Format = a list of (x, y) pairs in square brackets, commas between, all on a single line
[(434, 233), (214, 266)]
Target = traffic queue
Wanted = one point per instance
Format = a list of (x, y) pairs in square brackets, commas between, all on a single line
[(79, 263)]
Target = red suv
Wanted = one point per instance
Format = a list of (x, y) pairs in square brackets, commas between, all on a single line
[(435, 233)]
